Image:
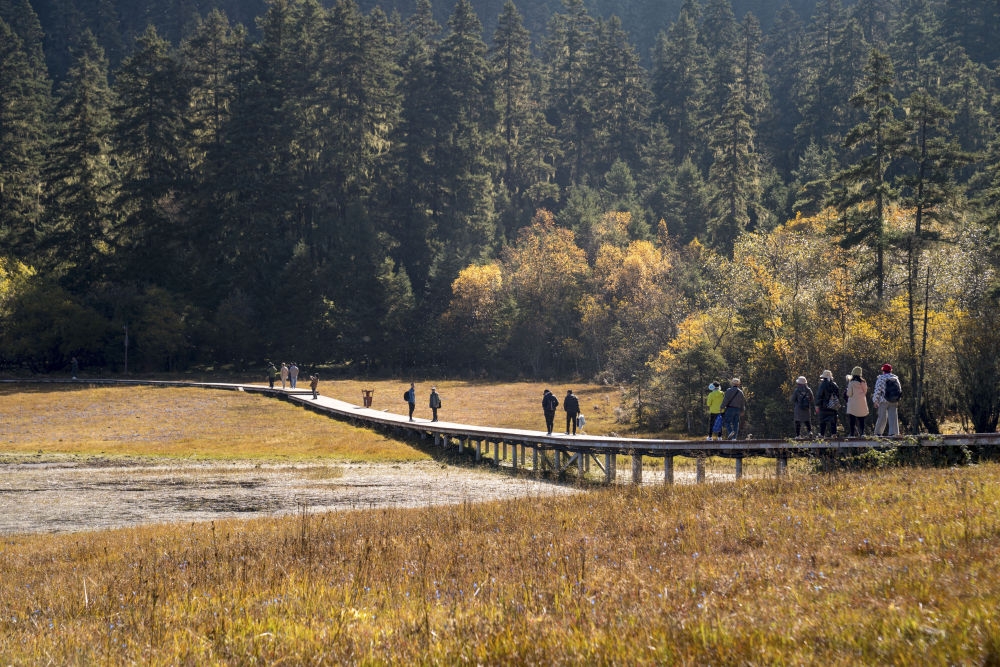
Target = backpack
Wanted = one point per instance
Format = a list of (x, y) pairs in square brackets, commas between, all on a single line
[(406, 396), (804, 399), (833, 402), (892, 390)]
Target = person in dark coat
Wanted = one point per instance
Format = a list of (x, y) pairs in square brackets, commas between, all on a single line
[(571, 405), (734, 404), (803, 401), (549, 405), (411, 399), (827, 415), (435, 403)]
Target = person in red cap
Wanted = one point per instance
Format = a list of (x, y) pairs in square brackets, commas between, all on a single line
[(885, 398)]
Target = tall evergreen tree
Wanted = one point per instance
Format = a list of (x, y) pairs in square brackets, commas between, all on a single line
[(465, 122), (678, 82), (864, 190), (783, 48), (568, 51), (735, 173), (82, 182), (928, 188), (621, 98), (526, 146), (24, 108), (151, 138)]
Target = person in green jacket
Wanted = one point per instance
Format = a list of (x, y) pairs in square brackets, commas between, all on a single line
[(714, 404)]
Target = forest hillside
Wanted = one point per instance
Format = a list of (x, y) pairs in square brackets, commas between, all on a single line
[(656, 195)]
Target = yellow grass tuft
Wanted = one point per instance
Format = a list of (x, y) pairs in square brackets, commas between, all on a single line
[(894, 567)]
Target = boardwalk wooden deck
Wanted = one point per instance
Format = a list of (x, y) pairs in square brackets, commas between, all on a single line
[(560, 453)]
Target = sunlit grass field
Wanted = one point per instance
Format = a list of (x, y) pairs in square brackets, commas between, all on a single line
[(895, 568), (889, 567)]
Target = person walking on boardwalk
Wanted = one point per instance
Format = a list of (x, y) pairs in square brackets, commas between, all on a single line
[(885, 398), (734, 404), (410, 396), (293, 375), (857, 403), (714, 404), (435, 403), (827, 404), (571, 404), (284, 374), (313, 384), (803, 400), (272, 373), (549, 405)]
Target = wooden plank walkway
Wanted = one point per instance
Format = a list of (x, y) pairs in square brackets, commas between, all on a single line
[(560, 453)]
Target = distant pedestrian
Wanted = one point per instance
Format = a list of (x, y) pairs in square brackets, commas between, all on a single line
[(714, 404), (549, 405), (885, 398), (827, 404), (272, 374), (293, 375), (857, 403), (313, 384), (74, 366), (410, 396), (803, 400), (435, 403), (734, 404), (571, 404), (284, 374)]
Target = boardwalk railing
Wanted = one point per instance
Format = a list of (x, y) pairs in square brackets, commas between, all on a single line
[(560, 453)]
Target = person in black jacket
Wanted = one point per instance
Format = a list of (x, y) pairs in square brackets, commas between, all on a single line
[(572, 407), (549, 405), (827, 416)]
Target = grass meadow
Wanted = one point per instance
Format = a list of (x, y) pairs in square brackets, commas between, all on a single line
[(883, 567)]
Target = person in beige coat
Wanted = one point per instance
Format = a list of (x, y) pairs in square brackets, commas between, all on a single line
[(857, 403)]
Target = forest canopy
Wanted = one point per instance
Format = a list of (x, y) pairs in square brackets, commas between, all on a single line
[(370, 187)]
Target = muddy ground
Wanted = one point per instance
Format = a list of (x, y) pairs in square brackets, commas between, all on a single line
[(73, 493)]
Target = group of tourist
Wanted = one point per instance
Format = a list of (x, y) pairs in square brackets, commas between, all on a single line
[(289, 374), (726, 408)]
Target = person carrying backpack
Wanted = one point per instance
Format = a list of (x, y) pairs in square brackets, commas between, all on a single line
[(549, 405), (714, 404), (571, 404), (734, 404), (885, 398), (802, 402), (827, 404)]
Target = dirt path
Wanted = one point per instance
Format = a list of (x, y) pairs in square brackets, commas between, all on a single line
[(72, 493)]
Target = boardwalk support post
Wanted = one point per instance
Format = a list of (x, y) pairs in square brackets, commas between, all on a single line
[(782, 464), (668, 469), (739, 467), (699, 474), (636, 468)]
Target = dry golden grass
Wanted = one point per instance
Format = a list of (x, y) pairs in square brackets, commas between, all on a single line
[(182, 422), (893, 567)]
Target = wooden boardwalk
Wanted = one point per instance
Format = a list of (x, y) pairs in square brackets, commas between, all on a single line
[(558, 453)]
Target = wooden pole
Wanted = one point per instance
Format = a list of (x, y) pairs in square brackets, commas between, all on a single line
[(668, 469), (636, 468)]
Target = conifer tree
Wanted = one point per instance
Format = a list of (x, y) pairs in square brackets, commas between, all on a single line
[(24, 107), (82, 181), (864, 190), (151, 143)]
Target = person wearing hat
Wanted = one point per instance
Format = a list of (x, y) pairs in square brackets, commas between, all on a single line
[(435, 403), (734, 403), (885, 398), (549, 405), (803, 400), (827, 404), (714, 404), (857, 403)]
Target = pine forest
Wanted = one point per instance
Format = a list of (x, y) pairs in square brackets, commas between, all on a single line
[(653, 195)]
